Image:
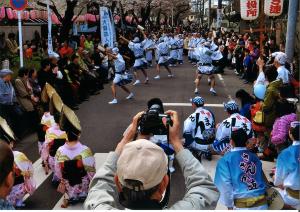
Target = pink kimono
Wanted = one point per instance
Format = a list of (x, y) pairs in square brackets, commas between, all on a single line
[(52, 133), (85, 156), (24, 182)]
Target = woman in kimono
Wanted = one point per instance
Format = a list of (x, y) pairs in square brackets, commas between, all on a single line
[(74, 162), (54, 137), (23, 169), (47, 119)]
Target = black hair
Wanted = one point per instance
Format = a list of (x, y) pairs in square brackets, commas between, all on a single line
[(23, 72), (244, 96), (156, 101), (136, 194), (295, 132), (232, 111), (30, 73), (239, 137), (271, 73), (283, 107), (6, 161), (45, 63), (72, 136), (11, 35)]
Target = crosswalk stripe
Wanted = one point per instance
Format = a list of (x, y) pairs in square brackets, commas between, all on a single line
[(190, 105), (39, 174)]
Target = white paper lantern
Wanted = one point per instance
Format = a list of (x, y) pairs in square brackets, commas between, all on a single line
[(249, 9), (273, 7)]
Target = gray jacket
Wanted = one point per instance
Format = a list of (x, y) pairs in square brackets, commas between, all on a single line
[(201, 193)]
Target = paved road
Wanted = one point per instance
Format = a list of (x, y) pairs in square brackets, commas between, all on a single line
[(104, 124)]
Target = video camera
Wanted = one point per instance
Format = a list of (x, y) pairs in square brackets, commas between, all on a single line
[(151, 121)]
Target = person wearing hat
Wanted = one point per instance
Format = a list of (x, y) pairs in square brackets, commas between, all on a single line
[(47, 119), (54, 136), (205, 67), (74, 162), (221, 144), (137, 172), (279, 63), (6, 175), (239, 176), (9, 109), (288, 168), (199, 129), (23, 169), (163, 53), (121, 78), (140, 62)]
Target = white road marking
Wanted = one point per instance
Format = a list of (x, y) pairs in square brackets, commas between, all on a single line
[(39, 174), (224, 84), (190, 105)]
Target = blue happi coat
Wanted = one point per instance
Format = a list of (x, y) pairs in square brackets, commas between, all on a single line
[(239, 175)]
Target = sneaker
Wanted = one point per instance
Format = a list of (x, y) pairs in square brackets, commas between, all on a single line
[(137, 82), (157, 77), (146, 80), (114, 101), (131, 95), (196, 91), (172, 169), (171, 75), (213, 91)]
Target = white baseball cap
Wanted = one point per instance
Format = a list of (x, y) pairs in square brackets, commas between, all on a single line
[(143, 161)]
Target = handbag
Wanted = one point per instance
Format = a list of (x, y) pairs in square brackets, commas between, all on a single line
[(259, 117)]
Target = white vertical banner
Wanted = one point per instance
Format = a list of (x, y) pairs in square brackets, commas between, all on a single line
[(113, 26), (20, 39), (106, 28), (50, 45)]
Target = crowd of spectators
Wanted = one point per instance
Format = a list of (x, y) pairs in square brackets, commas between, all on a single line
[(75, 69)]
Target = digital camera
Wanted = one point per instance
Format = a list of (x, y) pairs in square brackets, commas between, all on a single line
[(151, 122)]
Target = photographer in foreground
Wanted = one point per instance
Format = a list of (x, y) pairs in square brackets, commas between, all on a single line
[(137, 173)]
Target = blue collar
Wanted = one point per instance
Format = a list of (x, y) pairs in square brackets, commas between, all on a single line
[(296, 143), (5, 205), (238, 149)]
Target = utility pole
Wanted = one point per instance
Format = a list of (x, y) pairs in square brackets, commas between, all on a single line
[(291, 29), (219, 14), (209, 8)]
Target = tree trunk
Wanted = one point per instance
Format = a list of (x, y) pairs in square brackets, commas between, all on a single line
[(67, 22)]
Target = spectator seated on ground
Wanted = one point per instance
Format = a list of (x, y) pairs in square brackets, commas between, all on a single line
[(137, 173), (6, 175)]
